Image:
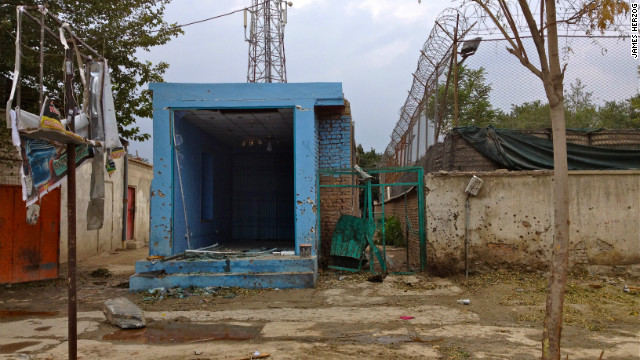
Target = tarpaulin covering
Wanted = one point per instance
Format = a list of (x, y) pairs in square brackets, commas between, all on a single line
[(516, 151)]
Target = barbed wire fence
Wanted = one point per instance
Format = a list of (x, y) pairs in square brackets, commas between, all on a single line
[(495, 89)]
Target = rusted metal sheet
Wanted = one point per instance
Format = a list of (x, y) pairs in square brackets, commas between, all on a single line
[(28, 252), (6, 231)]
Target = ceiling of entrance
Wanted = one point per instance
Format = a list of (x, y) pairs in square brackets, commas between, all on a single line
[(233, 126)]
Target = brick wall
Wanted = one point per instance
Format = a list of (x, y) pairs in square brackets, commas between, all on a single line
[(396, 207), (336, 150)]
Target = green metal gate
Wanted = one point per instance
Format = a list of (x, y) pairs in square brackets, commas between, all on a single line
[(368, 213)]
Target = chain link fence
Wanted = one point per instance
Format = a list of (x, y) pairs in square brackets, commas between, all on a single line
[(601, 85)]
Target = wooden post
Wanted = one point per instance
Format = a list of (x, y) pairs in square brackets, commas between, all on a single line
[(71, 208), (455, 76)]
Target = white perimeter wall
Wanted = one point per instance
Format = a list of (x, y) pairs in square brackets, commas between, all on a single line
[(511, 220)]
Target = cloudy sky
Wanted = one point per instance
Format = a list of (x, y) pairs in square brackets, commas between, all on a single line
[(371, 46)]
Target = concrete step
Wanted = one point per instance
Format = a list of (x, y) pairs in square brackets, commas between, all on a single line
[(133, 244), (281, 280), (255, 265)]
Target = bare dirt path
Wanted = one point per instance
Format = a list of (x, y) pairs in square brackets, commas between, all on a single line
[(345, 317)]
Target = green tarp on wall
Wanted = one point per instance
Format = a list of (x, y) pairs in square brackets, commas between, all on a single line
[(516, 151)]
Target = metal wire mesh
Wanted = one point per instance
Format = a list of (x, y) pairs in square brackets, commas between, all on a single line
[(495, 89)]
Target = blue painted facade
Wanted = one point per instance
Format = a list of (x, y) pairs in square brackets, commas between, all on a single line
[(190, 147)]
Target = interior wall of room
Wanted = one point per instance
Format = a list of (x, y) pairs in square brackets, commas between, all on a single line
[(263, 197), (205, 227)]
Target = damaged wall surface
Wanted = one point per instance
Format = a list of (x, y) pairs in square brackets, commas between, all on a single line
[(109, 238), (214, 119), (511, 220), (336, 151)]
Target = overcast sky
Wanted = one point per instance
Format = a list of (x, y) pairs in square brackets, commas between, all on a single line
[(371, 46)]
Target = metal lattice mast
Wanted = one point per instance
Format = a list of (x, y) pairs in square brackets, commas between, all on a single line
[(266, 41)]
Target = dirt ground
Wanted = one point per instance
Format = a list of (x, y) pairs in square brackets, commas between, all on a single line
[(344, 317)]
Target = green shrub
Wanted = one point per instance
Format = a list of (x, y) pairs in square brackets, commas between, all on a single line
[(394, 232)]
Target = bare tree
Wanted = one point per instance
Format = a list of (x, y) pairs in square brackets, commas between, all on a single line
[(516, 22)]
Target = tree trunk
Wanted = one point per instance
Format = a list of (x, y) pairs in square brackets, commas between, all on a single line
[(560, 255), (553, 84)]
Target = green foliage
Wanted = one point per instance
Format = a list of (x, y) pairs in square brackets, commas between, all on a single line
[(528, 115), (620, 114), (474, 107), (367, 159), (115, 28), (580, 108), (8, 153), (393, 233), (580, 112)]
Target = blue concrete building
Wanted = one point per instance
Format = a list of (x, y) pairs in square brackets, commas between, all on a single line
[(236, 164)]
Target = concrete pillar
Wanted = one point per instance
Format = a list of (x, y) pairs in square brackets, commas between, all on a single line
[(305, 155), (161, 235)]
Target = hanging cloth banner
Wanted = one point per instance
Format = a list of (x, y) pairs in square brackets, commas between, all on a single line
[(44, 165)]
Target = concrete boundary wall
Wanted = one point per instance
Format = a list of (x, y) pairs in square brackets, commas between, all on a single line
[(109, 238), (511, 220)]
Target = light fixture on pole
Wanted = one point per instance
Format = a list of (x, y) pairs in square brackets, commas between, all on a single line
[(469, 47)]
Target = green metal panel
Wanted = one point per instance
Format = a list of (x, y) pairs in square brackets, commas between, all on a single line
[(421, 220), (356, 251)]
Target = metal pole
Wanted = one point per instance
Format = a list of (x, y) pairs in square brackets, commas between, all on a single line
[(41, 98), (18, 61), (125, 196), (455, 76), (419, 126), (446, 87), (71, 210), (384, 240), (435, 110), (406, 228), (421, 220), (466, 239), (267, 42), (76, 38)]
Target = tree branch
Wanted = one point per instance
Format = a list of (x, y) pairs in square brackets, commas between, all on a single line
[(537, 39), (526, 63), (504, 32), (507, 13)]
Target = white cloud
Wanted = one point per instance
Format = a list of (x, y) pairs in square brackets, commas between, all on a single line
[(390, 10), (384, 55), (299, 4)]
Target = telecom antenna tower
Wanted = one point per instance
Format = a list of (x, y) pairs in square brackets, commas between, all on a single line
[(266, 41)]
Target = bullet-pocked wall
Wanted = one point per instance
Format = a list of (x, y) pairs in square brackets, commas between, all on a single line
[(247, 157), (336, 151)]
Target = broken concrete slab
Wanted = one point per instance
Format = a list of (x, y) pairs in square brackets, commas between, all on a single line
[(123, 313)]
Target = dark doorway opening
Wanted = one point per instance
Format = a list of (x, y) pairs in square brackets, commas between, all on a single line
[(244, 179)]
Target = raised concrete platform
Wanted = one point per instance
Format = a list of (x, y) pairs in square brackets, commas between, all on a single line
[(284, 272), (133, 244)]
